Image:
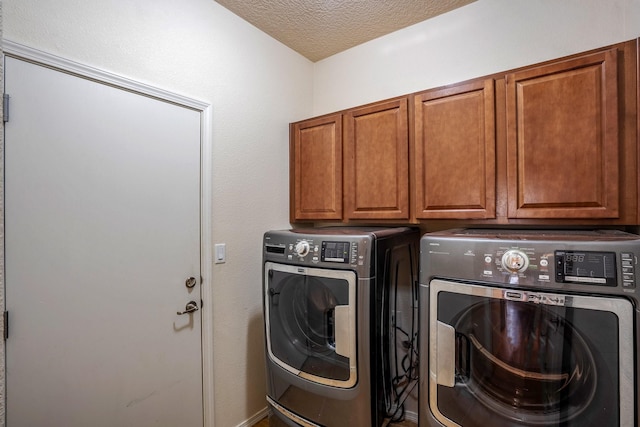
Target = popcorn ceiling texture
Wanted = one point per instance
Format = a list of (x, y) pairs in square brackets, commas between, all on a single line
[(318, 29)]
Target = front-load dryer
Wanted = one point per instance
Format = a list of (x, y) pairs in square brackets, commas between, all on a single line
[(529, 328), (340, 312)]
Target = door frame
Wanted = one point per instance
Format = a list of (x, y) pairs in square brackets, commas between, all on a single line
[(25, 53)]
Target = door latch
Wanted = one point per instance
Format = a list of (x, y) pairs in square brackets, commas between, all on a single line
[(189, 308)]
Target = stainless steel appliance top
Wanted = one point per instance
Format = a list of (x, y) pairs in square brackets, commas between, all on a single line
[(538, 234)]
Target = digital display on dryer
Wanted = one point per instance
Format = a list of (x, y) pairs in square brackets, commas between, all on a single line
[(597, 268), (335, 252)]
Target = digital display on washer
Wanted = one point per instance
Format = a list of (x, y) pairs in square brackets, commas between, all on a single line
[(335, 252), (596, 268)]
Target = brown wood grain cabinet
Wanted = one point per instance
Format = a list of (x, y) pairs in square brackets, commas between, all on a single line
[(551, 143), (315, 151), (364, 151), (376, 161), (455, 174), (563, 149)]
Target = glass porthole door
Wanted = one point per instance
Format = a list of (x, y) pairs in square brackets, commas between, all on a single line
[(311, 322), (505, 357)]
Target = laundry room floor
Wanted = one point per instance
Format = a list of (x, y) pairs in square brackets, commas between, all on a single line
[(265, 423)]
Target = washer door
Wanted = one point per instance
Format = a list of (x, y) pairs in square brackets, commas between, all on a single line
[(310, 317), (505, 357)]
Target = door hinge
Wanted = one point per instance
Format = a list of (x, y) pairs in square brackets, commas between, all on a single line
[(5, 320), (5, 107)]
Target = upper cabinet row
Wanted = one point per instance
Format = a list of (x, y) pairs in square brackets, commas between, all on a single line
[(553, 142)]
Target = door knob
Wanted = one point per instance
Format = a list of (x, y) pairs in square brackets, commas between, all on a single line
[(189, 308)]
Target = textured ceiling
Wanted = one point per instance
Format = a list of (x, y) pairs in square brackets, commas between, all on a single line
[(321, 28)]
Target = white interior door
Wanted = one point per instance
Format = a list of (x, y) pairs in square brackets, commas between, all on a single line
[(102, 231)]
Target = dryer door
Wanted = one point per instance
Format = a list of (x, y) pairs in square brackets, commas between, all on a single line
[(310, 322), (506, 357)]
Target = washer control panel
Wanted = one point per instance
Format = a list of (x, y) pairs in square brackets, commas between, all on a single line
[(338, 251), (312, 250), (325, 251)]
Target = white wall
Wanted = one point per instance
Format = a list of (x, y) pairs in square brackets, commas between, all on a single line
[(256, 86), (482, 38)]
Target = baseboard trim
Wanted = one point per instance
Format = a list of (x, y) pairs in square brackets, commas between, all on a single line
[(254, 419)]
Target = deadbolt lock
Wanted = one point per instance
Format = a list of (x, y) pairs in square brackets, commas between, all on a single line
[(191, 282)]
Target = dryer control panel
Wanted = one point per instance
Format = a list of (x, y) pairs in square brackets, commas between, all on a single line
[(591, 267), (590, 261)]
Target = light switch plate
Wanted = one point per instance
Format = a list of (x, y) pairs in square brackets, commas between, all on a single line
[(220, 253)]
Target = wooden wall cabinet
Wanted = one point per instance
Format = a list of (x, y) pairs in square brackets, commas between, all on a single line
[(376, 161), (315, 150), (563, 149), (364, 151), (455, 164), (549, 142), (553, 143)]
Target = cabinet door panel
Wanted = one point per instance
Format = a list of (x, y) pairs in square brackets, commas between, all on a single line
[(562, 139), (455, 152), (316, 169), (377, 161)]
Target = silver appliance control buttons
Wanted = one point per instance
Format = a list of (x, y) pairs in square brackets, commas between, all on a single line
[(628, 270)]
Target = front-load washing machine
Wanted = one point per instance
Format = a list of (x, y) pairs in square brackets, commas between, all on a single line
[(340, 312)]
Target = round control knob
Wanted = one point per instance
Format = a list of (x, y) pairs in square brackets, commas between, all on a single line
[(515, 261), (302, 248)]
